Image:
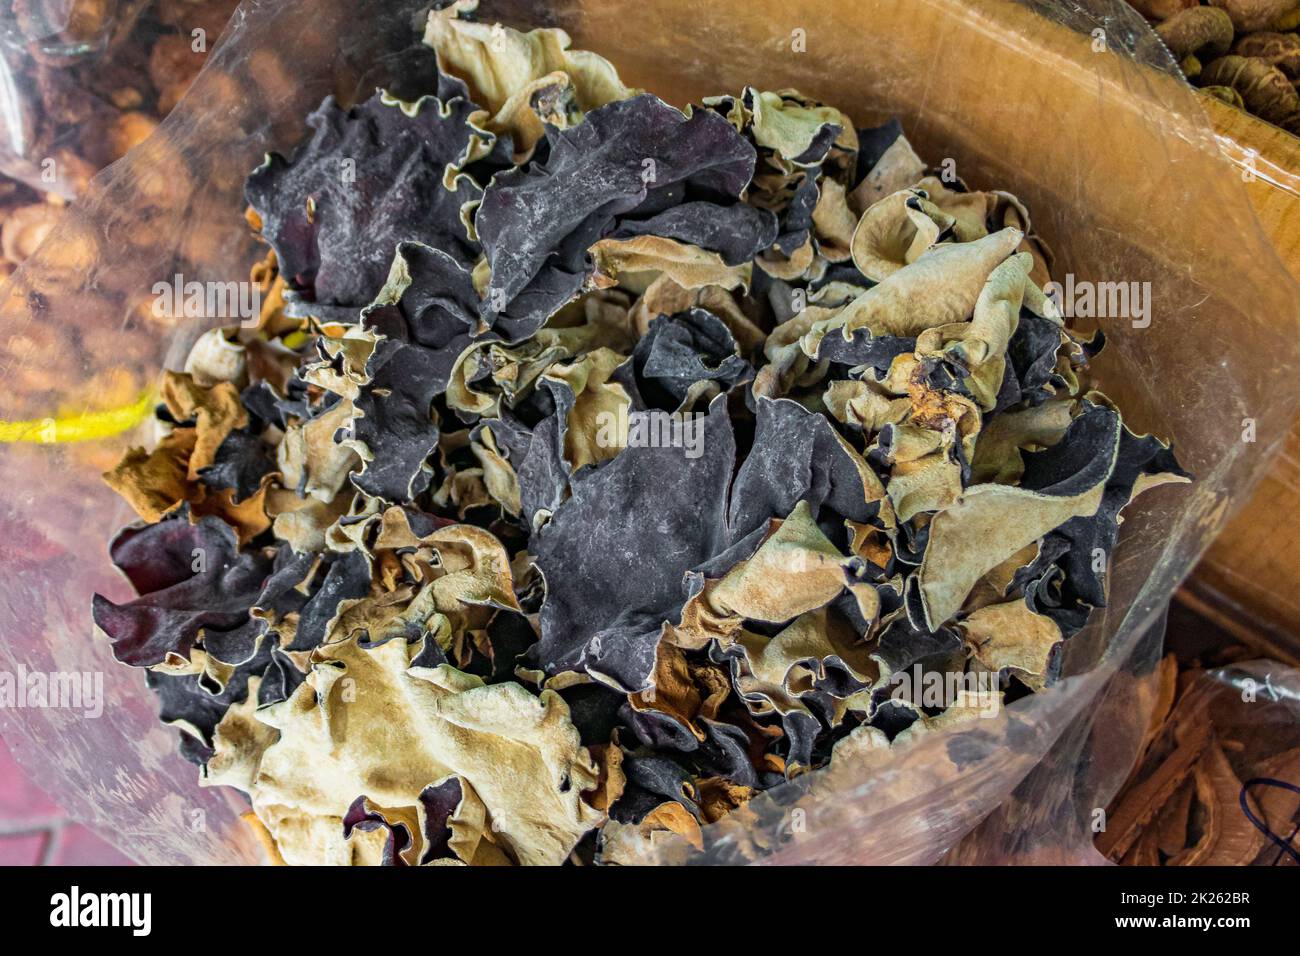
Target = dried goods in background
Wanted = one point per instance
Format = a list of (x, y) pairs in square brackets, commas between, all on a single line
[(1245, 52), (1217, 780), (84, 83)]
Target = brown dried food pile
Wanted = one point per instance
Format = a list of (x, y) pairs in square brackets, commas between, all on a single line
[(95, 77), (91, 80), (1245, 52), (1218, 777), (596, 466)]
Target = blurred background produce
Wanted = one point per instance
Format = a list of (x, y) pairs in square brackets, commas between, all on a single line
[(81, 83), (1217, 781), (1244, 52)]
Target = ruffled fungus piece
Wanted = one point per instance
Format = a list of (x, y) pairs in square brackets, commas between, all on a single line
[(524, 80), (629, 159), (991, 522), (336, 211), (613, 573), (370, 723)]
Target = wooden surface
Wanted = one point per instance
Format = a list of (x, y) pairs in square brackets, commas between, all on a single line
[(1250, 578)]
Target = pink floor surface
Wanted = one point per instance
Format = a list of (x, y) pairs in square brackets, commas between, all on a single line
[(35, 831)]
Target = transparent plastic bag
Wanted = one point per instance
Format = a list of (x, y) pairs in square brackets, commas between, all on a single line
[(81, 81), (60, 31), (1218, 779), (1109, 150)]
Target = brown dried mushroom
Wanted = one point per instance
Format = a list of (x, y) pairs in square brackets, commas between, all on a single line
[(1203, 32), (1281, 50), (1250, 15), (1264, 89), (1245, 53)]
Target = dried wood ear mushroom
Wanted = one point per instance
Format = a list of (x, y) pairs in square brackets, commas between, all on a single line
[(649, 461)]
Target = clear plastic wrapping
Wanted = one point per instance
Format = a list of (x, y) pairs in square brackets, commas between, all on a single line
[(82, 81), (1072, 105)]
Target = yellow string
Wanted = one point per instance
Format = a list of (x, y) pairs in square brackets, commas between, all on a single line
[(87, 426), (295, 339)]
